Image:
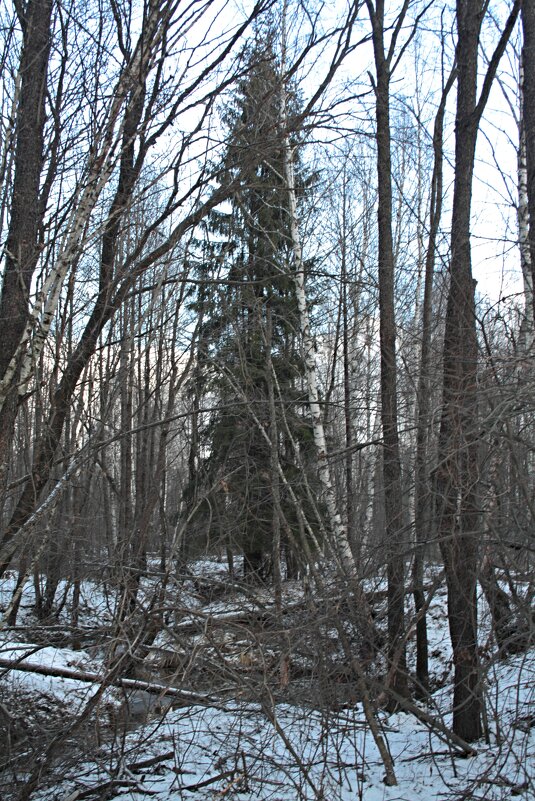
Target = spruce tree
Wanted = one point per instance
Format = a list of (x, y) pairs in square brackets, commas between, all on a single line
[(247, 344)]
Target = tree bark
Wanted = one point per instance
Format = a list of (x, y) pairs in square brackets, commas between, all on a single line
[(394, 541), (23, 239), (458, 520), (422, 511), (528, 62), (523, 216), (457, 472)]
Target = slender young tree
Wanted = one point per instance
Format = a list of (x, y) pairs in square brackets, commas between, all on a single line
[(523, 216), (422, 491), (385, 60)]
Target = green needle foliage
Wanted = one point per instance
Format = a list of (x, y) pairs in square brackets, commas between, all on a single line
[(248, 342)]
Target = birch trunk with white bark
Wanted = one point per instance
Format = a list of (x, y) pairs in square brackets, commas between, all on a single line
[(342, 547), (340, 544), (527, 325)]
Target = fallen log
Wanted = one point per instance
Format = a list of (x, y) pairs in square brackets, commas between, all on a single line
[(188, 696)]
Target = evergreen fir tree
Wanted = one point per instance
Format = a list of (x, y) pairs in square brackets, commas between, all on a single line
[(253, 312)]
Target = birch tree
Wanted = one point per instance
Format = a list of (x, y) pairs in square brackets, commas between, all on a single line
[(128, 123), (528, 107), (340, 545)]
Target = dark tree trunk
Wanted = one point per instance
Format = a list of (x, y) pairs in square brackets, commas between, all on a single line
[(389, 412), (253, 564), (422, 512), (458, 520), (124, 545), (457, 473), (348, 421), (499, 605), (274, 468), (24, 234)]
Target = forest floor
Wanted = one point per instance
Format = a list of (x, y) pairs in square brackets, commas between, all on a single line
[(262, 722)]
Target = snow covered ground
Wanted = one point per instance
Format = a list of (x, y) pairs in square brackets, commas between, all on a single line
[(278, 751), (286, 753)]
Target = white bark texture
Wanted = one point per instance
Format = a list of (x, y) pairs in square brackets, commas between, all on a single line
[(526, 329), (341, 545), (106, 152), (339, 533)]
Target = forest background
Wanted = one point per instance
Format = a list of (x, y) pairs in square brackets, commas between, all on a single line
[(239, 319)]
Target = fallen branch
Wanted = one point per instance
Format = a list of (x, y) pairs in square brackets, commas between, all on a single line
[(94, 678), (85, 792), (435, 725), (262, 613), (134, 767), (206, 782), (111, 784)]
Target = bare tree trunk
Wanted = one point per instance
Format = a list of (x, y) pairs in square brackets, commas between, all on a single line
[(339, 533), (355, 540), (528, 323), (528, 62), (457, 471), (27, 208), (123, 556), (341, 545), (274, 467), (422, 511), (393, 499)]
